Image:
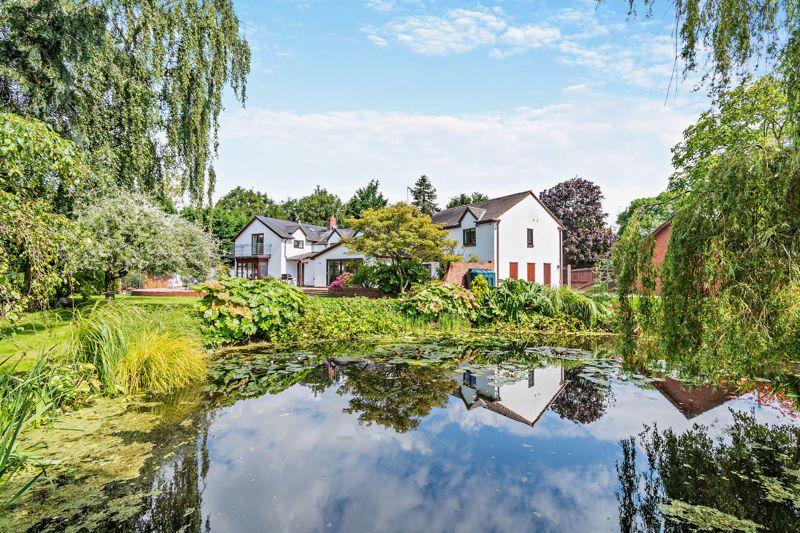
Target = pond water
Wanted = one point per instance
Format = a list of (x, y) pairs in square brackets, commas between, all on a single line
[(556, 440)]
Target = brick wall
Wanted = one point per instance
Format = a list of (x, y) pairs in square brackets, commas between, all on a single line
[(457, 271), (661, 238)]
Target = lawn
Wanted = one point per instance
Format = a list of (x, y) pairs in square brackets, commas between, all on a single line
[(36, 333)]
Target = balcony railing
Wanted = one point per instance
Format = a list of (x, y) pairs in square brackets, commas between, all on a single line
[(252, 250)]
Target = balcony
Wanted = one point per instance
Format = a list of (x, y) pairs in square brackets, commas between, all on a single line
[(252, 250)]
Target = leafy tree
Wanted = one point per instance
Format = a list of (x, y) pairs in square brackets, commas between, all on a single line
[(315, 208), (582, 401), (136, 83), (399, 234), (42, 176), (424, 195), (652, 211), (728, 39), (368, 197), (466, 199), (130, 234), (577, 202), (249, 203)]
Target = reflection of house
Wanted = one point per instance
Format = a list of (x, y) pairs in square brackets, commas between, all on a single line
[(524, 401), (692, 402)]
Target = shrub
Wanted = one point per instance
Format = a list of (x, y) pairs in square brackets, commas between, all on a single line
[(345, 319), (160, 363), (480, 287), (437, 299), (124, 343), (235, 309), (342, 281), (385, 278)]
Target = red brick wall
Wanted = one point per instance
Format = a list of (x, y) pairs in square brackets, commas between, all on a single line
[(661, 238), (457, 271)]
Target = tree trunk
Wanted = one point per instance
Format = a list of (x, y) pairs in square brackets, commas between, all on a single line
[(111, 283)]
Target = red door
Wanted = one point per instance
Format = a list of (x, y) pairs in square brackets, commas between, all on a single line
[(547, 274), (513, 270), (531, 271)]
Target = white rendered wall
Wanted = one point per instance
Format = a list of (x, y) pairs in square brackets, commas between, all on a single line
[(513, 246), (276, 264), (317, 269), (484, 239)]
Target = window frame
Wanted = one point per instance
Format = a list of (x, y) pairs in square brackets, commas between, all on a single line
[(529, 237), (299, 244), (255, 240), (473, 232)]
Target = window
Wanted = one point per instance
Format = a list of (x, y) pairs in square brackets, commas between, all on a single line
[(530, 237), (299, 243), (257, 244), (513, 270), (532, 272), (469, 237), (340, 266), (547, 279)]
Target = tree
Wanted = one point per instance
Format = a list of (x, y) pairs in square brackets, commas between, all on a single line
[(315, 208), (130, 234), (42, 176), (424, 195), (248, 203), (731, 39), (652, 211), (466, 199), (399, 234), (582, 401), (578, 204), (368, 197), (138, 84)]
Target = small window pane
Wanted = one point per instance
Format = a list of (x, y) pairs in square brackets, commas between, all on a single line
[(530, 238), (469, 237)]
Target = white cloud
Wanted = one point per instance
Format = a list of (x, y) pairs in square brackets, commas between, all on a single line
[(579, 88), (463, 30), (622, 144)]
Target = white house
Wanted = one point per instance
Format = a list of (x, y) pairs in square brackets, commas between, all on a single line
[(304, 254), (517, 233)]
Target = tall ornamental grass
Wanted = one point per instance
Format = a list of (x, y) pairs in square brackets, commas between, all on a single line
[(140, 350)]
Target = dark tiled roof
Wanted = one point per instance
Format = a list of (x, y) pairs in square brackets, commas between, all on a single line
[(485, 211), (316, 234)]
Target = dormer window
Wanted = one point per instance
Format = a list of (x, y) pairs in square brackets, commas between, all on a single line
[(468, 237), (299, 243)]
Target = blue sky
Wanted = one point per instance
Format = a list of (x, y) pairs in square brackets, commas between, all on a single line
[(498, 97)]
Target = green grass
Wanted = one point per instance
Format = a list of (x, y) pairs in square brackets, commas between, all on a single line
[(21, 343)]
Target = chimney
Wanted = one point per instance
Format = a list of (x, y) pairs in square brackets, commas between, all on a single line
[(331, 222)]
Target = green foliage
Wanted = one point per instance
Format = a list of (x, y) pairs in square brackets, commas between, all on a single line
[(651, 212), (234, 310), (466, 199), (437, 299), (349, 319), (129, 234), (136, 349), (138, 84), (315, 208), (400, 234), (424, 196), (729, 39), (480, 288), (386, 279), (368, 197)]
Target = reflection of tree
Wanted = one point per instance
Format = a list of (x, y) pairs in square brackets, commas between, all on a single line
[(753, 474), (582, 401), (395, 396)]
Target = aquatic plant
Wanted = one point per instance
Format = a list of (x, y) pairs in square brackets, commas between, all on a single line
[(236, 310), (139, 349)]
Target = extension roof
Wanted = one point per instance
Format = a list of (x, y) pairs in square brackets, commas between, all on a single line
[(285, 229), (486, 211)]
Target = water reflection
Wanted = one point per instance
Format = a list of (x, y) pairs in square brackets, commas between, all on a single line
[(362, 446)]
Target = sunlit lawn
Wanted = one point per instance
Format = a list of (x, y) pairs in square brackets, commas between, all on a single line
[(48, 331)]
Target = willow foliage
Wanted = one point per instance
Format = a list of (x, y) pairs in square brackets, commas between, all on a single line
[(139, 83), (729, 39)]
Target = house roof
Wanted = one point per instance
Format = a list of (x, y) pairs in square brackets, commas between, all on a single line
[(285, 229), (486, 211), (663, 225)]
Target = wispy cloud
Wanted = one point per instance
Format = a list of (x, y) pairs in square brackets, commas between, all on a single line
[(622, 144)]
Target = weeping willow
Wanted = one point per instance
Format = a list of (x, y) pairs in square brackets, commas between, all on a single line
[(138, 83), (730, 281)]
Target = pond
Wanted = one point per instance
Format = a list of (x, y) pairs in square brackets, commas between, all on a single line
[(458, 439)]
